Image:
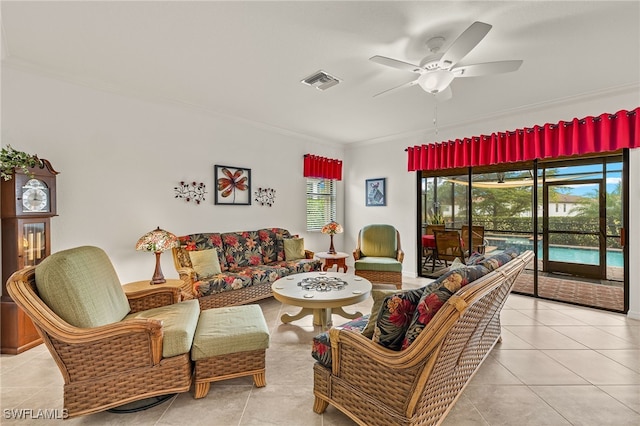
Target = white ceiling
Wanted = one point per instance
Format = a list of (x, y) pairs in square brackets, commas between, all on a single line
[(246, 59)]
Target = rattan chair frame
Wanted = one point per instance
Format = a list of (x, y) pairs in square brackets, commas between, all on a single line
[(419, 385), (380, 277), (111, 365)]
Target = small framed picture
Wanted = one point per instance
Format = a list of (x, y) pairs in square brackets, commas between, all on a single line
[(233, 185), (376, 192)]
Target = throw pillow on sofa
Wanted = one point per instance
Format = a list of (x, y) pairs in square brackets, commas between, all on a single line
[(378, 297), (395, 317), (294, 248), (436, 294), (205, 262)]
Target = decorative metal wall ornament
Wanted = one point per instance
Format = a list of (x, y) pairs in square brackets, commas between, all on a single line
[(265, 196), (190, 191)]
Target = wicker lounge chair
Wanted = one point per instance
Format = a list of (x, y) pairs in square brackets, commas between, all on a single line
[(107, 358), (378, 255)]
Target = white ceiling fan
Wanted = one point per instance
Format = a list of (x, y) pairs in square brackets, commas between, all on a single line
[(437, 70)]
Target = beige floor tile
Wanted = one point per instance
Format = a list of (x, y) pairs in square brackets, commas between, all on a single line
[(281, 405), (630, 333), (595, 367), (222, 406), (515, 317), (533, 367), (587, 405), (595, 317), (464, 413), (551, 317), (629, 395), (593, 337), (494, 373), (630, 358), (511, 341), (543, 337), (511, 405)]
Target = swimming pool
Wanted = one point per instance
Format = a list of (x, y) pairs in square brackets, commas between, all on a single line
[(585, 256)]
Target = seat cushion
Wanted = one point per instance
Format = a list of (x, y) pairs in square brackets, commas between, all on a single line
[(321, 347), (230, 330), (81, 286), (378, 264), (179, 323), (222, 282)]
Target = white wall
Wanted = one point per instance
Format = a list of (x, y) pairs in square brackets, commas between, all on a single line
[(387, 158), (119, 159)]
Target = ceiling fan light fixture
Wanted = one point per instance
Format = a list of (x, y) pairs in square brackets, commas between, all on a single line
[(435, 81)]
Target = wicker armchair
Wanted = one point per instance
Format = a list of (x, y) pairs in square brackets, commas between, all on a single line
[(418, 385), (109, 357), (378, 255)]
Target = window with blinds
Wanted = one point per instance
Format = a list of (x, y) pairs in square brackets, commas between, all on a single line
[(321, 203)]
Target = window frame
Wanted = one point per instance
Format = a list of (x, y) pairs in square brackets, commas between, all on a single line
[(327, 212)]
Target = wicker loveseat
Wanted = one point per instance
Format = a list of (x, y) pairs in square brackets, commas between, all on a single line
[(249, 262), (419, 384)]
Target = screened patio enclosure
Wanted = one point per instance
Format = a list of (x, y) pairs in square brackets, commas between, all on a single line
[(571, 213)]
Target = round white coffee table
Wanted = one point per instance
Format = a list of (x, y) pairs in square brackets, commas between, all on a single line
[(321, 294)]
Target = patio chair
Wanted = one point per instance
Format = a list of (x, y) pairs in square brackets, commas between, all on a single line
[(477, 234), (378, 256), (429, 245), (448, 246), (111, 348)]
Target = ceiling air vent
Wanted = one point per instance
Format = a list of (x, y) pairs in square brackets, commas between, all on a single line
[(321, 80)]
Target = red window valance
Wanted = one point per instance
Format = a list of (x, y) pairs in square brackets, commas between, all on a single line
[(604, 133), (322, 167)]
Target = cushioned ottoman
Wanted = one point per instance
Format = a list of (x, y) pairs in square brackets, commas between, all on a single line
[(229, 342)]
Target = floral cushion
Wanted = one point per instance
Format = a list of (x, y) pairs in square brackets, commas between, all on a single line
[(299, 266), (436, 294), (204, 241), (497, 260), (271, 243), (242, 249), (321, 348), (222, 282), (261, 273), (395, 317)]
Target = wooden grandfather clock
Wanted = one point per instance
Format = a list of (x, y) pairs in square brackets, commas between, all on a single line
[(28, 203)]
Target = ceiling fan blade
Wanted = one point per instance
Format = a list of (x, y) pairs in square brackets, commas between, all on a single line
[(444, 95), (394, 63), (487, 68), (409, 84), (464, 44)]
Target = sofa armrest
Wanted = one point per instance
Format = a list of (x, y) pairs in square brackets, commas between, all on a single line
[(400, 256), (308, 254), (150, 298)]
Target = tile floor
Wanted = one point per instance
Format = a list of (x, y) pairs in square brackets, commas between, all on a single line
[(557, 365)]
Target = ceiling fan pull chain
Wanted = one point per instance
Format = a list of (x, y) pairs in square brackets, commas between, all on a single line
[(435, 118)]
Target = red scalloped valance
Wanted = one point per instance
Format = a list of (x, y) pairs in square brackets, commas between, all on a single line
[(604, 133), (322, 167)]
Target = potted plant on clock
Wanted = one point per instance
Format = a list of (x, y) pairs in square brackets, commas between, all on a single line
[(11, 159)]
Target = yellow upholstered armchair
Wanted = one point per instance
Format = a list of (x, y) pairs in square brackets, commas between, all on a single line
[(378, 256), (112, 348)]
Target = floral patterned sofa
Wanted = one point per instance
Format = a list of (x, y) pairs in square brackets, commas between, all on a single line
[(249, 262)]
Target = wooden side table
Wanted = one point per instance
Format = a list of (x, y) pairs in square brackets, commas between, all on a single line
[(146, 284), (337, 259)]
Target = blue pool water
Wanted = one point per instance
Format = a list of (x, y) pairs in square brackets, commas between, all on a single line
[(585, 256)]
